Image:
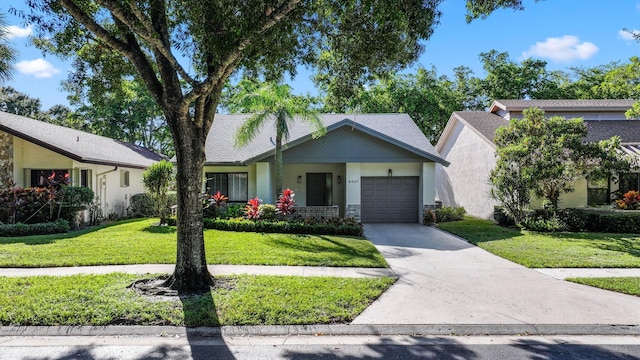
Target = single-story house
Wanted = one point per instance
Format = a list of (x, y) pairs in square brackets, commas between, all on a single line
[(372, 167), (30, 150), (467, 143)]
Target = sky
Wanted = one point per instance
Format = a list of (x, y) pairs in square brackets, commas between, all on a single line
[(564, 33)]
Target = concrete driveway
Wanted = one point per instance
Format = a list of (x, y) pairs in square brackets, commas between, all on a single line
[(445, 280)]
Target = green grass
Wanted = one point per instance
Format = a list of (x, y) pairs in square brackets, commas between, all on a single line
[(627, 285), (139, 242), (240, 300), (573, 250)]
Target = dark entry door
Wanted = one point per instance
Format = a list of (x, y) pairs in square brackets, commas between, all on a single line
[(319, 189)]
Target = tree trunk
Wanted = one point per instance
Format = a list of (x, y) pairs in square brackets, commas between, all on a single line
[(279, 165), (191, 273)]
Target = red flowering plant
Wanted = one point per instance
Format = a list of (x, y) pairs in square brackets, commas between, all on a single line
[(213, 203), (629, 201), (285, 204), (252, 210)]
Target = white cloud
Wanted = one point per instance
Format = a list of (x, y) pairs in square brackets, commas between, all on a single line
[(18, 32), (39, 68), (628, 34), (562, 49)]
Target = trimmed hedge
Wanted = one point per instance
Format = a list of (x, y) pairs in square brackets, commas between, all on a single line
[(333, 226), (448, 213), (59, 226), (600, 221)]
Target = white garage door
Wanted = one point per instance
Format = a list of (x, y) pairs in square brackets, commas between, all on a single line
[(389, 199)]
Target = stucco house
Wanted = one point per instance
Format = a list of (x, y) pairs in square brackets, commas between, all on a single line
[(30, 150), (467, 143), (373, 167)]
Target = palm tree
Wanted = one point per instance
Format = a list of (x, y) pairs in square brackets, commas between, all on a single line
[(7, 53), (272, 101)]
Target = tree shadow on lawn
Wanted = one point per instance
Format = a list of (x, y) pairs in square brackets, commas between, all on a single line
[(160, 229), (621, 243), (333, 247), (479, 234)]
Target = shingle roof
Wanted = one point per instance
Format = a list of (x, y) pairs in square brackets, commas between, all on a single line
[(397, 129), (485, 123), (563, 105), (78, 145), (627, 130)]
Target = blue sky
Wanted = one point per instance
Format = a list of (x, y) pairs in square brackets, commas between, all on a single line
[(565, 33)]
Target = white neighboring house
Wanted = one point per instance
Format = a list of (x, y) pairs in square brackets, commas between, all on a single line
[(467, 143), (30, 150), (372, 167)]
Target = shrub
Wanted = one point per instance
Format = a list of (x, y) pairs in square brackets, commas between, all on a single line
[(233, 211), (268, 212), (330, 226), (252, 209), (141, 205), (59, 226), (429, 217), (285, 204), (24, 205), (629, 201), (447, 213), (74, 199), (552, 224)]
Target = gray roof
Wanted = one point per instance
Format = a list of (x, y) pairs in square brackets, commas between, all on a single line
[(563, 105), (627, 130), (78, 145), (485, 123), (397, 129)]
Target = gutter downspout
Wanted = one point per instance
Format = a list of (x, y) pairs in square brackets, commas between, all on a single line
[(100, 187)]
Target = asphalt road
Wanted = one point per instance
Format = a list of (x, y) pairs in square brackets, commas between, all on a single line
[(322, 347)]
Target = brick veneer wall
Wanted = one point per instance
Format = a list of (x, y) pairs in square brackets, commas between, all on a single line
[(6, 159), (318, 211)]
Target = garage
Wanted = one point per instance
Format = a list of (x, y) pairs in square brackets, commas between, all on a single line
[(389, 199)]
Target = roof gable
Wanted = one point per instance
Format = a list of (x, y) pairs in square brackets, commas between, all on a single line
[(78, 145), (395, 129)]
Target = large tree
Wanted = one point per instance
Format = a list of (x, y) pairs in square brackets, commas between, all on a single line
[(546, 156), (185, 50), (272, 103)]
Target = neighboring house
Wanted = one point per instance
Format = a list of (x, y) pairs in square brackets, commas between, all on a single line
[(373, 167), (467, 143), (30, 150)]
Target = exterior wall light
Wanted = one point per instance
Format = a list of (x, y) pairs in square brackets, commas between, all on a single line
[(390, 173), (339, 179), (299, 179)]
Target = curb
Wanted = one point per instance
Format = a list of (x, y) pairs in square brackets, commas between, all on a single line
[(326, 330)]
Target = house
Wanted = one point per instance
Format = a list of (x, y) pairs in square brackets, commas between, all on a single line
[(372, 167), (467, 143), (31, 150)]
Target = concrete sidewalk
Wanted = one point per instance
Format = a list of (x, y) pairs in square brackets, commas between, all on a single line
[(354, 272), (445, 280)]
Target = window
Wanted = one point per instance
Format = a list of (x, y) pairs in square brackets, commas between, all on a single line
[(124, 178), (40, 178), (233, 185), (85, 178), (597, 192), (319, 189), (629, 181)]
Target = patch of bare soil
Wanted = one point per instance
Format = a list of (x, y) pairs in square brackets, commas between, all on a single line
[(155, 289)]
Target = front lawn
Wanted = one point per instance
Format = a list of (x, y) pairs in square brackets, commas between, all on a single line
[(627, 285), (139, 242), (550, 250), (237, 300)]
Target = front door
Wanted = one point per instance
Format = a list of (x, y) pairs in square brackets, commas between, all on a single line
[(319, 189)]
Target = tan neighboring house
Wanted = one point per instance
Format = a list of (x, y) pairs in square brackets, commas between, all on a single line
[(467, 144), (30, 150), (372, 167)]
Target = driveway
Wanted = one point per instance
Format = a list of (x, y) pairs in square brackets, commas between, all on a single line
[(445, 280)]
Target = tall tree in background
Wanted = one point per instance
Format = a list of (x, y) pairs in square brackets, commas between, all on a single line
[(272, 104), (347, 42), (7, 53), (16, 102), (427, 98)]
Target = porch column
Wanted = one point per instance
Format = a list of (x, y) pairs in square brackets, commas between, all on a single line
[(427, 188), (352, 190), (264, 183)]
